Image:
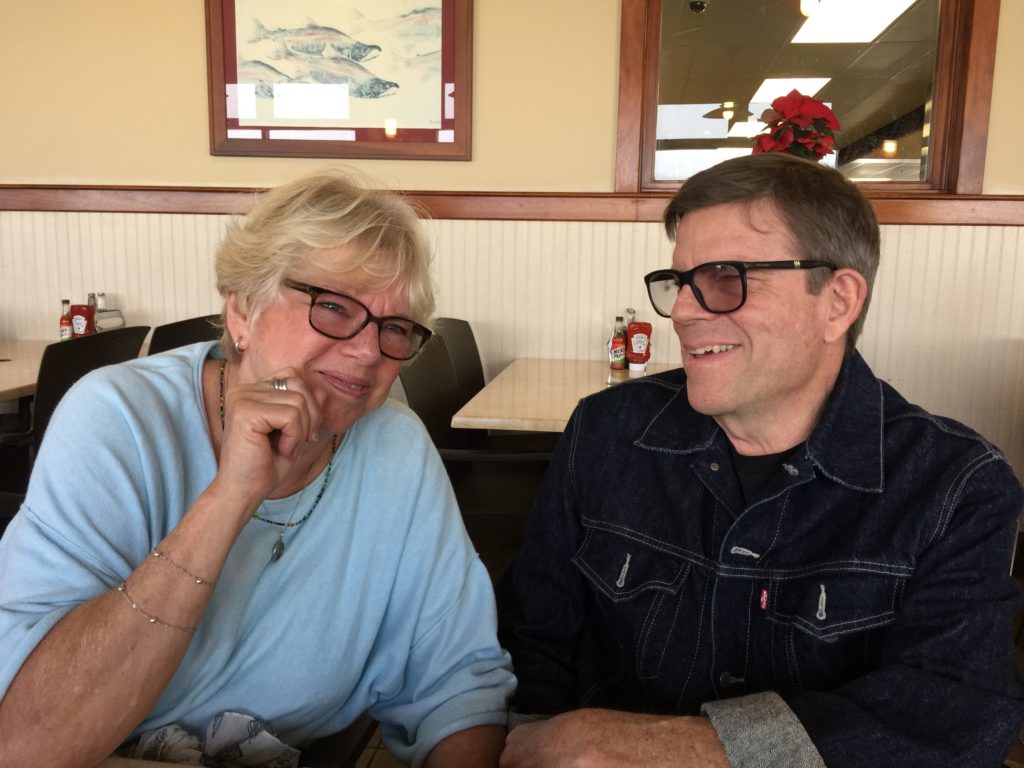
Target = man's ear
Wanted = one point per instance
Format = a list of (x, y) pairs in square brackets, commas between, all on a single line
[(236, 319), (847, 291)]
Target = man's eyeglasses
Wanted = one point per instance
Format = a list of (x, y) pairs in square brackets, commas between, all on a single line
[(341, 317), (720, 287)]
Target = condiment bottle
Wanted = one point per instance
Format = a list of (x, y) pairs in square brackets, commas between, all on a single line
[(91, 300), (638, 347), (101, 301), (65, 319), (617, 346)]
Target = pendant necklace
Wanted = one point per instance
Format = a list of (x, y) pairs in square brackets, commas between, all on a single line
[(277, 550)]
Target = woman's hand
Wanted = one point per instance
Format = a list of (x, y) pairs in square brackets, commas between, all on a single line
[(265, 431)]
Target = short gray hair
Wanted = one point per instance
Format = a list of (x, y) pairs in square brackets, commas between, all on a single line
[(828, 218)]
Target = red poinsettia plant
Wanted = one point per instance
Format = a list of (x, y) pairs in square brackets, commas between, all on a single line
[(799, 125)]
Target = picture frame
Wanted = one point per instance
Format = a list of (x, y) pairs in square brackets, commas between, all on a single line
[(382, 79)]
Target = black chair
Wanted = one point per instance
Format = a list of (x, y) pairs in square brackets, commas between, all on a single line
[(433, 391), (182, 332), (495, 475), (464, 354), (10, 503), (63, 363)]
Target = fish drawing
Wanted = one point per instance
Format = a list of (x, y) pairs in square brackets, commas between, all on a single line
[(419, 31), (315, 40), (362, 83), (262, 75)]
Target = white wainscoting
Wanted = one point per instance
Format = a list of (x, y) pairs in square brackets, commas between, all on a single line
[(946, 325)]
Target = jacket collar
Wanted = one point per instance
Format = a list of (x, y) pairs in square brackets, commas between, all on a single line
[(845, 446)]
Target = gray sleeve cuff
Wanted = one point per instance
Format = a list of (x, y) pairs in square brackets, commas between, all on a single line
[(761, 730)]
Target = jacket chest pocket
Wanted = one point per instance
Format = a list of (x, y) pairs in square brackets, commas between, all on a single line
[(637, 588), (830, 625)]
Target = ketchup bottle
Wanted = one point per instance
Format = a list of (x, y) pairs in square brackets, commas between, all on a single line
[(65, 319)]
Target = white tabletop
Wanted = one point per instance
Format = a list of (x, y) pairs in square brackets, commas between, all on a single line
[(19, 367), (539, 395)]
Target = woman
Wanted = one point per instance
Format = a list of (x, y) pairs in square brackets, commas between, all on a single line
[(248, 527)]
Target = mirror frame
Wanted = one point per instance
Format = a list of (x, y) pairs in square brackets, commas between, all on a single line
[(961, 102)]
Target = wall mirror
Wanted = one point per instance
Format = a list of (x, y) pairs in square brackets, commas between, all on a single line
[(722, 63), (895, 72)]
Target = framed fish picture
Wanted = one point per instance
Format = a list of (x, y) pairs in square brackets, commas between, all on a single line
[(340, 78)]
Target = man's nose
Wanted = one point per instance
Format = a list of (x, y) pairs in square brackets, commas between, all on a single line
[(686, 305)]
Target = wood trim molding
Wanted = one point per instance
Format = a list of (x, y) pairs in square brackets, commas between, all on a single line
[(1007, 210), (977, 99), (633, 26)]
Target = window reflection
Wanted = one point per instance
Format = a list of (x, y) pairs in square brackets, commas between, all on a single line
[(720, 69)]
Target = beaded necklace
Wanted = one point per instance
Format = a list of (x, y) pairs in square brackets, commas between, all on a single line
[(278, 549)]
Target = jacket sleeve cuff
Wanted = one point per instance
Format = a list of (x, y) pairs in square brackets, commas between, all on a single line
[(759, 730)]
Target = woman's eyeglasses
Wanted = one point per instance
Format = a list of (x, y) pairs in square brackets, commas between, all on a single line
[(341, 317), (720, 287)]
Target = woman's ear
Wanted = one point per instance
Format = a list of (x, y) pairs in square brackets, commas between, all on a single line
[(848, 290), (236, 319)]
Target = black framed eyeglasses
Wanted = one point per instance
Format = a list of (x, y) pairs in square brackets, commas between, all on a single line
[(341, 317), (720, 287)]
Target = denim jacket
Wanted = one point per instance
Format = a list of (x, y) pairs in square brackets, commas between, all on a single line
[(867, 589)]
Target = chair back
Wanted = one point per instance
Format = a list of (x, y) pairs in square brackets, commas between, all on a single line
[(10, 503), (464, 354), (65, 362), (432, 391), (182, 332)]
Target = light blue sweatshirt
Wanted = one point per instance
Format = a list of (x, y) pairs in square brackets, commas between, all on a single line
[(379, 602)]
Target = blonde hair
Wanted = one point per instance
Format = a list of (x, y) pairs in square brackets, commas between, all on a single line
[(293, 224)]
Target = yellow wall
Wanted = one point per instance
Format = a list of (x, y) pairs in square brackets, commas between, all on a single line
[(1004, 163), (114, 92)]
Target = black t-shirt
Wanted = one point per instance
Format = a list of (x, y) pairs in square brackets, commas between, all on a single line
[(755, 472)]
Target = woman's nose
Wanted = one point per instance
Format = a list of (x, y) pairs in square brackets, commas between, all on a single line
[(366, 343)]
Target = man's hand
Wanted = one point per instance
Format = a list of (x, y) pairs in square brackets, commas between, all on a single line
[(602, 738)]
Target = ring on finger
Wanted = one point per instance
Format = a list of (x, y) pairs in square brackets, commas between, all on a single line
[(281, 384)]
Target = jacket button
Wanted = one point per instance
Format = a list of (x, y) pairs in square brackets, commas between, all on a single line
[(727, 680), (714, 466)]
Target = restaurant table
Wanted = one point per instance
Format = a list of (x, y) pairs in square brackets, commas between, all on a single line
[(19, 367), (539, 395)]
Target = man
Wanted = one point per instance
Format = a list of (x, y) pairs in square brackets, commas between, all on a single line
[(768, 557)]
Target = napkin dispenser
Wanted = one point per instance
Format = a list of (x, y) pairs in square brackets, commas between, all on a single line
[(108, 319)]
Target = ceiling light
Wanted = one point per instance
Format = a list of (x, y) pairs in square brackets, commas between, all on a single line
[(889, 146), (772, 88), (807, 7), (727, 111), (840, 21)]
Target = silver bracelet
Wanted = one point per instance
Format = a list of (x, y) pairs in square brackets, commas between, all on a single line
[(122, 588), (196, 579)]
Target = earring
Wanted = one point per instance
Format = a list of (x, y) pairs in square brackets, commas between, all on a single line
[(238, 344)]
